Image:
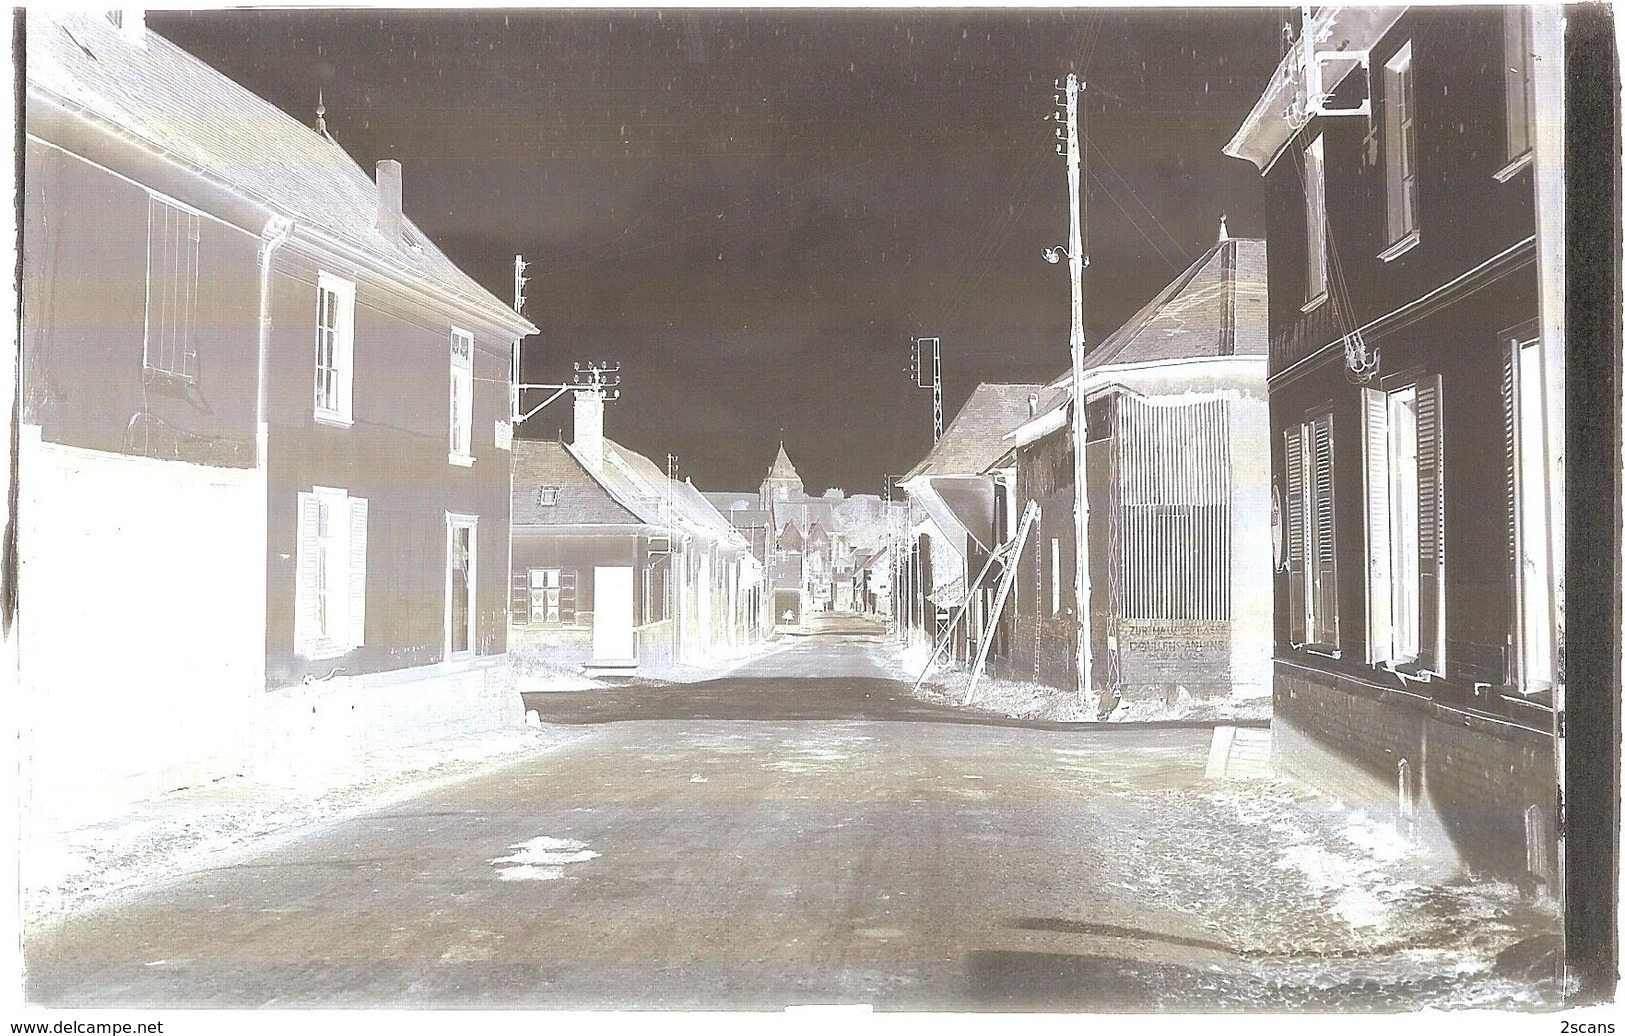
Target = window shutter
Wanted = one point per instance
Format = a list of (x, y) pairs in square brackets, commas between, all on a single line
[(1430, 522), (1294, 533), (1325, 559), (519, 598), (567, 596), (358, 572), (304, 576), (1514, 566), (1379, 637)]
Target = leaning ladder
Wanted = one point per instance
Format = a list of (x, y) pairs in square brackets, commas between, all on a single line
[(947, 635), (1027, 518)]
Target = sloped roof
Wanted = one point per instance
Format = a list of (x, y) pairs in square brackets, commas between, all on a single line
[(975, 437), (782, 468), (163, 96), (643, 488), (539, 468), (1217, 307)]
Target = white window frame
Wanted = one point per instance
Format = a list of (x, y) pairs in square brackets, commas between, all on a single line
[(1538, 613), (1315, 229), (174, 240), (330, 573), (470, 522), (1518, 55), (461, 406), (550, 588), (1404, 500), (334, 366), (1400, 180)]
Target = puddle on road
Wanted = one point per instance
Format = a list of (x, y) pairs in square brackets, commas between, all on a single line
[(542, 858)]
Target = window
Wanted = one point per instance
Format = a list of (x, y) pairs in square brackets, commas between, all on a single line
[(1311, 539), (1399, 151), (462, 396), (1055, 575), (1520, 84), (1533, 530), (1404, 498), (553, 596), (173, 234), (1314, 198), (330, 586), (335, 346), (548, 496), (461, 546)]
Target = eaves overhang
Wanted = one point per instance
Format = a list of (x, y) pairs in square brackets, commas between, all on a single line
[(1268, 128)]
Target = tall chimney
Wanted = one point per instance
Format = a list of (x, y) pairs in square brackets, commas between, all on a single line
[(589, 428), (389, 200)]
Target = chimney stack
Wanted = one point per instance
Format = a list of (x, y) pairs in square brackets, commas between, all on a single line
[(389, 200), (589, 428)]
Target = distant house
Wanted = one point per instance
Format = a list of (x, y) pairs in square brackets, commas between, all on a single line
[(965, 503), (1416, 398), (1179, 509), (263, 468), (617, 565)]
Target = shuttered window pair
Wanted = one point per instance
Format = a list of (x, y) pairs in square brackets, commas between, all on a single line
[(173, 237), (545, 597), (330, 589), (1404, 524), (1311, 537)]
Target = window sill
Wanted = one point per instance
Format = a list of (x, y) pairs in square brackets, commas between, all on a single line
[(332, 420), (1400, 247), (1314, 303), (323, 652), (459, 460), (1516, 166)]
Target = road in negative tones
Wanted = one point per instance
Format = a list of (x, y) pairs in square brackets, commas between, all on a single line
[(803, 832)]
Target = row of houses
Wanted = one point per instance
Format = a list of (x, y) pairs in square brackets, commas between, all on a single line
[(1329, 474), (267, 509)]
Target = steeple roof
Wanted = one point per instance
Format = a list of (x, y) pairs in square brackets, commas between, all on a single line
[(782, 468)]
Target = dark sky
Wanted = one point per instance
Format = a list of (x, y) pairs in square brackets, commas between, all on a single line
[(755, 211)]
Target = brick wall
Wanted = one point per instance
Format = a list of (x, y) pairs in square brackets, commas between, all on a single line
[(1472, 778)]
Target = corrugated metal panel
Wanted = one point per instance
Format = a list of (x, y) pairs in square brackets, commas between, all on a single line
[(1175, 489)]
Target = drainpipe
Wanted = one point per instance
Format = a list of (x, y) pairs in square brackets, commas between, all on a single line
[(274, 236)]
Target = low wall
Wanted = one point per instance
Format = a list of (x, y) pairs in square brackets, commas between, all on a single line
[(308, 729), (141, 645), (1478, 790)]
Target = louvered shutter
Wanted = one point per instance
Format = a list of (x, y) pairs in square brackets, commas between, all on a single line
[(519, 598), (1294, 534), (567, 597), (1514, 567), (358, 572), (1430, 522), (1323, 538), (304, 577), (1379, 638)]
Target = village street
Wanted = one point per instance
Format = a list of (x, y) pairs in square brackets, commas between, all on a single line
[(803, 832)]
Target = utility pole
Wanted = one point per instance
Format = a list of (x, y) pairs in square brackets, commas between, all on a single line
[(932, 370), (1080, 426)]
